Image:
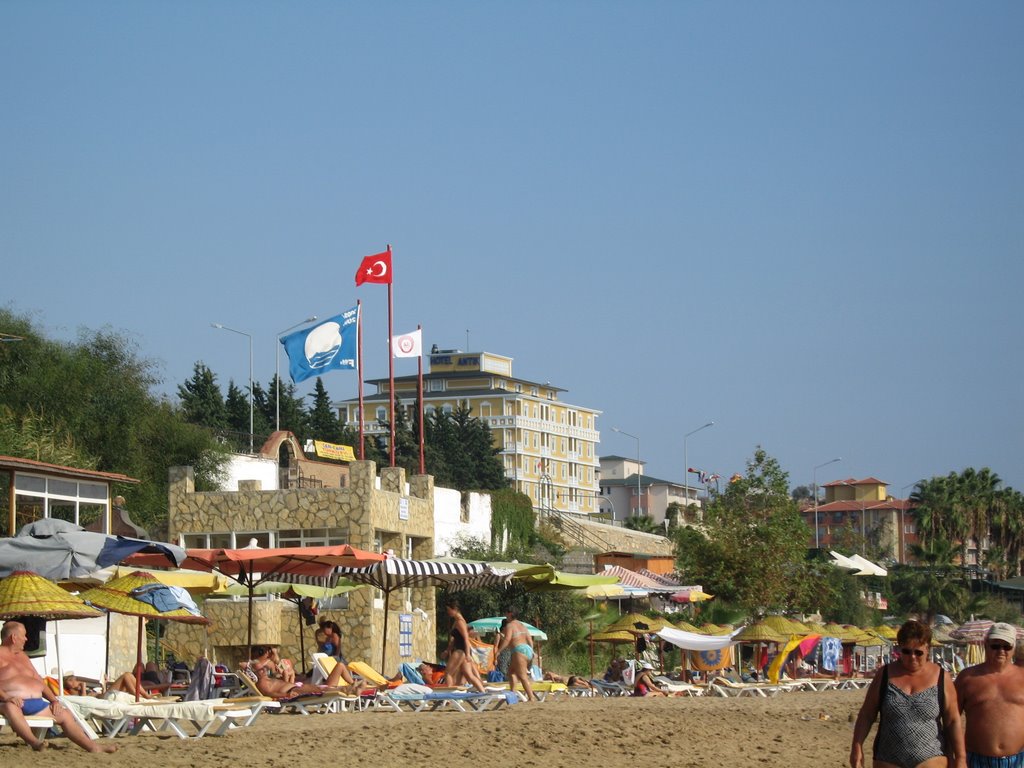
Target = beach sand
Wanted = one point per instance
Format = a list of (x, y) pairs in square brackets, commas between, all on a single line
[(793, 729)]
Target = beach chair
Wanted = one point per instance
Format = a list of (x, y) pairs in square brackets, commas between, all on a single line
[(420, 698), (304, 703), (727, 687), (39, 725), (610, 689), (678, 687), (184, 719)]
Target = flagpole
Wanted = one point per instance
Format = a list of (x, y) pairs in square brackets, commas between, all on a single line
[(391, 357), (419, 397), (359, 373)]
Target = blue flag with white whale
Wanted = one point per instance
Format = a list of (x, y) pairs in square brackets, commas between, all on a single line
[(330, 345)]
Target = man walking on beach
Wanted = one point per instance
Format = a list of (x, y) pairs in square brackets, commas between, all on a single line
[(23, 692), (991, 695)]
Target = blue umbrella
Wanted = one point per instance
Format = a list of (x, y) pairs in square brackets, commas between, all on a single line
[(493, 624)]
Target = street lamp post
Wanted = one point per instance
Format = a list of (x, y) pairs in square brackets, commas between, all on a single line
[(903, 523), (639, 470), (686, 460), (249, 335), (277, 370), (814, 482)]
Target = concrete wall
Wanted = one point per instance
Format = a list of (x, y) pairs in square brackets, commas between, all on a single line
[(458, 515)]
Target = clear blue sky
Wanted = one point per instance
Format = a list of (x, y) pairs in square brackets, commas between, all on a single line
[(801, 220)]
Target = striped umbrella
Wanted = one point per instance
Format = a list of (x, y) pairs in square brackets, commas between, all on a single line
[(394, 573)]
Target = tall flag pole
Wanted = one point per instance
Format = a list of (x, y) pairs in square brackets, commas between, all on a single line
[(419, 397), (359, 343), (377, 269), (411, 345), (391, 359)]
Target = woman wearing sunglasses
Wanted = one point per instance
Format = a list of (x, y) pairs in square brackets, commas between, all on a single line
[(915, 701)]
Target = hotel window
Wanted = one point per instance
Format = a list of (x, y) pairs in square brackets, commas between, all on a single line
[(382, 413)]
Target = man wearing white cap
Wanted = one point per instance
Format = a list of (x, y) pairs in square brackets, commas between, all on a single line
[(991, 695)]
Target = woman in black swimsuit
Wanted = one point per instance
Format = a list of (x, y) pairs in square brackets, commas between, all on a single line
[(461, 667), (919, 724)]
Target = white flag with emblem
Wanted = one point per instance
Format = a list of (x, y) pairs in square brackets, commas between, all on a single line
[(408, 345)]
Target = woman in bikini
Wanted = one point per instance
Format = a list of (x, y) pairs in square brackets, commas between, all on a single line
[(919, 724), (516, 638), (460, 667)]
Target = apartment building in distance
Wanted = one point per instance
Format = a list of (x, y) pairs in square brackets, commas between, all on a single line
[(864, 508), (628, 492), (548, 446)]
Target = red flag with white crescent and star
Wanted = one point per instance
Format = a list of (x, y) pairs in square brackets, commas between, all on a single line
[(375, 269)]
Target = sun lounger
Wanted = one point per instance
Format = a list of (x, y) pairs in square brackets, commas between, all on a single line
[(210, 717), (420, 698), (542, 688), (306, 703), (678, 687), (727, 687), (39, 725), (611, 689)]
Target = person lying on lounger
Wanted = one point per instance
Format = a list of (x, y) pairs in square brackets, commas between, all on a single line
[(277, 688)]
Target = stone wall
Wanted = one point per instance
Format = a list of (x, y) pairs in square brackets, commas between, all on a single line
[(375, 519), (626, 540)]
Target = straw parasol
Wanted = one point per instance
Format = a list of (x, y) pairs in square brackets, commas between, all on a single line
[(637, 623), (116, 596), (884, 630), (784, 625), (760, 632), (685, 626), (24, 593)]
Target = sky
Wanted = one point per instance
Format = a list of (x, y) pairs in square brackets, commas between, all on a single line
[(803, 221)]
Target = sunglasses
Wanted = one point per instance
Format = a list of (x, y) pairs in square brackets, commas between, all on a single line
[(911, 652), (1000, 647)]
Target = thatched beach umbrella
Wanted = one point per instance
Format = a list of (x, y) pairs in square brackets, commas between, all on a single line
[(119, 596), (24, 593)]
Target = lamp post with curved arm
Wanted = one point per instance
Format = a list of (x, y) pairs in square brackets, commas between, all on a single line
[(686, 459), (243, 333), (814, 482)]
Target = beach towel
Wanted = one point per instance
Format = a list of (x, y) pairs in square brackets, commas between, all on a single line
[(202, 685), (711, 660), (831, 647)]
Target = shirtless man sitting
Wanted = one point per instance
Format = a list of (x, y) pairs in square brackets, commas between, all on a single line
[(23, 692), (991, 695)]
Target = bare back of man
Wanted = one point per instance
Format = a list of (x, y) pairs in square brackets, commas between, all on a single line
[(993, 701), (24, 693)]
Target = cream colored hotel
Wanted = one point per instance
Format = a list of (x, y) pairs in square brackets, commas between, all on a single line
[(549, 447)]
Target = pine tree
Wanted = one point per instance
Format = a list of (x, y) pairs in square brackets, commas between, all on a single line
[(201, 400), (322, 419)]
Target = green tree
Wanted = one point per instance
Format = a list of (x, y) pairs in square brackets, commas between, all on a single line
[(752, 551), (512, 519), (236, 410), (201, 399), (322, 420), (294, 417), (99, 390), (935, 584), (640, 523)]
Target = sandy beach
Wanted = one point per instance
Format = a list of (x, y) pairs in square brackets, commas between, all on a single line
[(793, 729)]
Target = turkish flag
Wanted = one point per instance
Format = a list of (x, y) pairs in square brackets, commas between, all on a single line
[(375, 269)]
